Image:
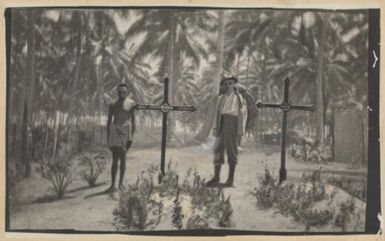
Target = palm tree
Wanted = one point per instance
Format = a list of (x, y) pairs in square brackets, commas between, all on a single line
[(211, 88), (311, 54), (167, 38), (28, 93)]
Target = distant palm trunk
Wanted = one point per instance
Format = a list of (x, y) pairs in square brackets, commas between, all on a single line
[(173, 64), (70, 133), (332, 128), (320, 82), (208, 122), (28, 95), (259, 121), (238, 64), (248, 65), (56, 133), (46, 135), (362, 122)]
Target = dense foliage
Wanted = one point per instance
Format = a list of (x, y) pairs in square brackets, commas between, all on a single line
[(307, 201), (144, 204)]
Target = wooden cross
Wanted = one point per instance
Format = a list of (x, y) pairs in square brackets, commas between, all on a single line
[(285, 106), (164, 107)]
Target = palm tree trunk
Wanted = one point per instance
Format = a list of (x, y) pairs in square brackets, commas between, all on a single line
[(320, 82), (248, 65), (172, 72), (70, 133), (56, 133), (28, 96), (238, 63), (332, 129), (208, 123), (260, 122), (362, 138)]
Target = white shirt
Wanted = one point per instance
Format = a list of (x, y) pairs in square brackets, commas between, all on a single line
[(231, 105)]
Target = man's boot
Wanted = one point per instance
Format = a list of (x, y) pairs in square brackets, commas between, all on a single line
[(216, 178), (230, 179)]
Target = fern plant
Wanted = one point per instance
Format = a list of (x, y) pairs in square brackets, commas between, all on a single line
[(94, 167), (58, 171)]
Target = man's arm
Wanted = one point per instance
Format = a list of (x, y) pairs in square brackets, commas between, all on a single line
[(109, 119), (244, 114), (133, 121), (215, 127)]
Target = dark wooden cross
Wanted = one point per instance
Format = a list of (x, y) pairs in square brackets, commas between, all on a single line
[(164, 107), (285, 106)]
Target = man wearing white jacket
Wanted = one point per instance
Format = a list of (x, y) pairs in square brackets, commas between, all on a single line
[(229, 126)]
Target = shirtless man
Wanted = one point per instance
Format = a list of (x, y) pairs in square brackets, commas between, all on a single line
[(120, 130)]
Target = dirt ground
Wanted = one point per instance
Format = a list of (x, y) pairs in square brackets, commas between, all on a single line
[(86, 208)]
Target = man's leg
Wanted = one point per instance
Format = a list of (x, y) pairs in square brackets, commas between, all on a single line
[(122, 157), (114, 167), (219, 155), (231, 143)]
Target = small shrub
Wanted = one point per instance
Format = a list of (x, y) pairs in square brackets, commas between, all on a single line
[(265, 193), (95, 165), (138, 208), (58, 171), (210, 202), (141, 205), (353, 186), (344, 214), (306, 151), (169, 184), (224, 209), (316, 218), (293, 199), (201, 196), (196, 221), (177, 215)]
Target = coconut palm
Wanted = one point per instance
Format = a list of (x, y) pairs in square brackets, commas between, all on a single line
[(166, 37), (313, 53)]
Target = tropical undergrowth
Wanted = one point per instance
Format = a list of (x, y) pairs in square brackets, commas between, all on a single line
[(308, 201), (186, 204)]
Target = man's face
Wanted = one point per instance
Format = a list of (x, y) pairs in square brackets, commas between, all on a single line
[(228, 85), (122, 92)]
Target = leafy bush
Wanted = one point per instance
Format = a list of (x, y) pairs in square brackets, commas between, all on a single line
[(169, 184), (265, 193), (95, 164), (306, 151), (196, 221), (222, 207), (58, 171), (138, 208), (177, 215), (210, 202), (353, 186), (141, 205), (292, 199), (345, 213)]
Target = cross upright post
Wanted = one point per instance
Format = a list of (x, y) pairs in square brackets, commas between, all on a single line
[(285, 107), (165, 108)]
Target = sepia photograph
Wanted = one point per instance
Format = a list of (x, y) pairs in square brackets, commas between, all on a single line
[(192, 119)]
